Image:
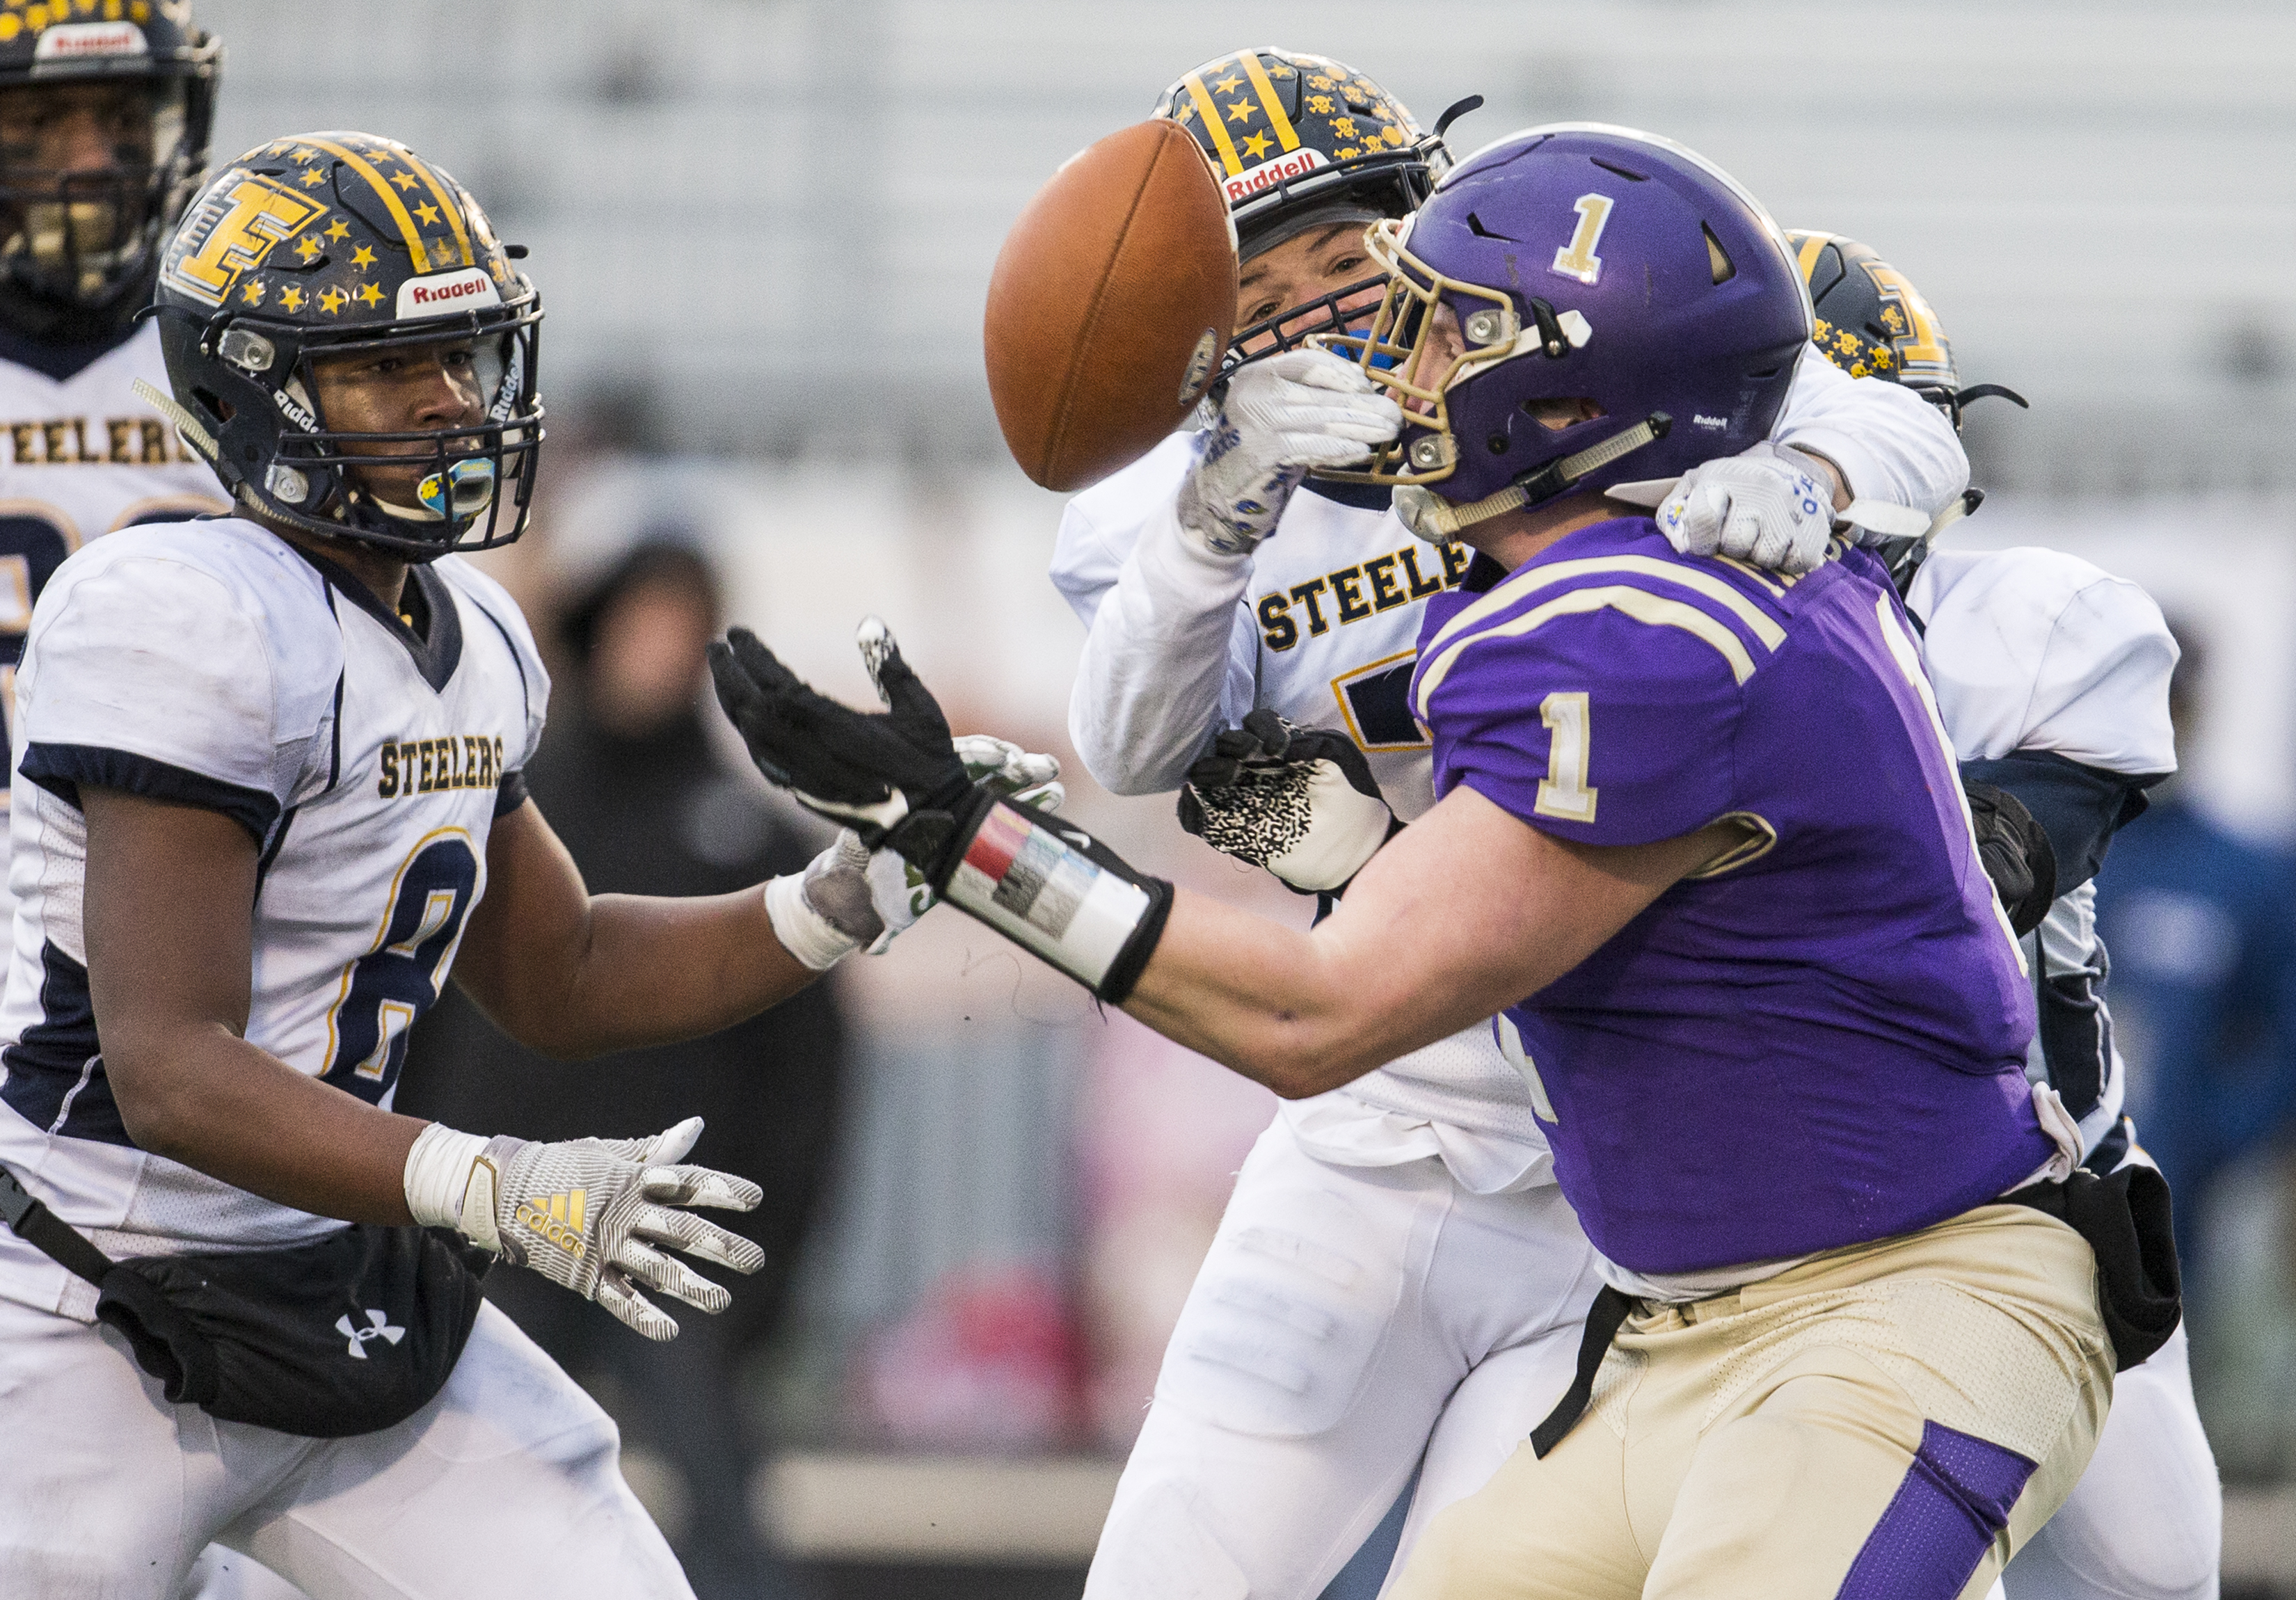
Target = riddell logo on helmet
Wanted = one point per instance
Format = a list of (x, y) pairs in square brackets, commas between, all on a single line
[(442, 292), (75, 40), (1251, 180)]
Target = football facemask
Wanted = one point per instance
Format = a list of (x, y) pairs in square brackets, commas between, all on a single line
[(341, 253)]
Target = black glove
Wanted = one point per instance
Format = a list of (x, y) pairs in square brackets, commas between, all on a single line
[(893, 777), (2016, 853), (1301, 802)]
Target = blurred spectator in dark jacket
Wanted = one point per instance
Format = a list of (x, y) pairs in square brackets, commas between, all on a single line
[(632, 782), (2202, 925)]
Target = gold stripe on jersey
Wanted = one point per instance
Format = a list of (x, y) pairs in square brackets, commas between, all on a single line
[(1276, 119), (1641, 604), (1529, 581), (1777, 583)]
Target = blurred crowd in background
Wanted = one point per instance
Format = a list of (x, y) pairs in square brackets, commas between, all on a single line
[(762, 228)]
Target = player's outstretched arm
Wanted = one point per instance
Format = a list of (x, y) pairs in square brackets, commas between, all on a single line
[(573, 974), (1466, 912)]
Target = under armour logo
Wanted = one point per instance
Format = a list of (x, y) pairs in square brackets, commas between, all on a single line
[(381, 1329)]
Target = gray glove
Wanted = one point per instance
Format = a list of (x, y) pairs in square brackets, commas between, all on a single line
[(1283, 415), (596, 1215)]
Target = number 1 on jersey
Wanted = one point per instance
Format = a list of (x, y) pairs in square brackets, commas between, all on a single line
[(1564, 793)]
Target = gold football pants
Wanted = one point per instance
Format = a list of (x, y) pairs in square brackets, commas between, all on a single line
[(1889, 1422)]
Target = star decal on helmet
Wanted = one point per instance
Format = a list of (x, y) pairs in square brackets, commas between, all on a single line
[(1226, 85), (1255, 146), (405, 180), (369, 294), (338, 229), (362, 255), (331, 300), (301, 154), (252, 291), (306, 247), (1243, 111), (428, 212), (291, 299), (314, 175)]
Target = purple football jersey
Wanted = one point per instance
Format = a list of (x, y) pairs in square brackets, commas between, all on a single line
[(1821, 1038)]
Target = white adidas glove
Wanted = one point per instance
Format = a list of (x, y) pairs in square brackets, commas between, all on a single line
[(1772, 505), (595, 1216), (1283, 415), (850, 897)]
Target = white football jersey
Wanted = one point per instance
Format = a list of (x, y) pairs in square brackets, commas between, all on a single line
[(214, 663), (2034, 651), (1322, 624), (81, 456)]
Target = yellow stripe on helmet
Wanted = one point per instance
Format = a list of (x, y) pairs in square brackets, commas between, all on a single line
[(1209, 113), (1811, 245), (359, 164), (1276, 119), (447, 201)]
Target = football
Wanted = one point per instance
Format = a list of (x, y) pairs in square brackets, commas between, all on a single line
[(1111, 306)]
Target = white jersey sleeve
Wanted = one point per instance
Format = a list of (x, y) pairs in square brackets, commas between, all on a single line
[(1169, 647), (2033, 650), (153, 668), (1890, 443)]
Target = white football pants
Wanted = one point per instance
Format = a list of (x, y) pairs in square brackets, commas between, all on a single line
[(2146, 1520), (507, 1485), (1347, 1322)]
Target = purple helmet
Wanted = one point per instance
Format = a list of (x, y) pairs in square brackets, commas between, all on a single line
[(1577, 306)]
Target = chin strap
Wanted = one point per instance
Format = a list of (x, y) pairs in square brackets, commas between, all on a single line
[(186, 425), (1430, 517)]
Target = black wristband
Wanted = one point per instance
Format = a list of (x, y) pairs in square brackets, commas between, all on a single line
[(1053, 889)]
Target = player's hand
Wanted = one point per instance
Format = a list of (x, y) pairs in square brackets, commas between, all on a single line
[(1283, 414), (897, 889), (1301, 802), (598, 1217), (2016, 854), (1772, 505), (853, 897), (894, 777)]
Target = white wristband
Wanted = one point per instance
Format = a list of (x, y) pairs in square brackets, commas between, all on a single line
[(806, 934), (439, 1172)]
